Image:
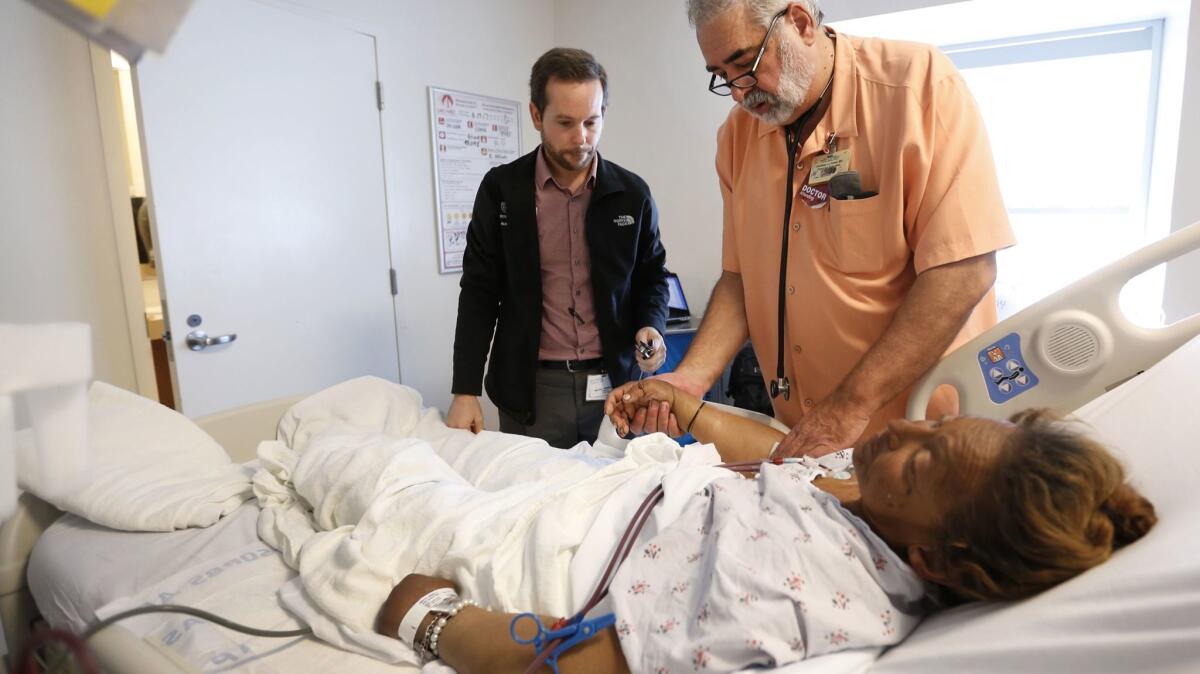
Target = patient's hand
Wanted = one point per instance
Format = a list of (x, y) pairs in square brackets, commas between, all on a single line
[(410, 590), (663, 418), (648, 396)]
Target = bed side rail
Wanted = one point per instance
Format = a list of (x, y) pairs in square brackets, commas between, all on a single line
[(1067, 349)]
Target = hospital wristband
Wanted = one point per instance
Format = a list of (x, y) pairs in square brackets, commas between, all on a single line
[(440, 599)]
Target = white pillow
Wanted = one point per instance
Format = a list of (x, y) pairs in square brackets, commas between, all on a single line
[(1138, 612), (152, 469)]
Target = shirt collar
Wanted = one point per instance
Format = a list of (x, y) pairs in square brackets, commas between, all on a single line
[(542, 174), (840, 118)]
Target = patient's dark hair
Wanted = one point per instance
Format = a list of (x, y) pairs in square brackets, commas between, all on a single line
[(1055, 504), (567, 65)]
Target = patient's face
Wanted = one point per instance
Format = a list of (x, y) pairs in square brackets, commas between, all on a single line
[(912, 472)]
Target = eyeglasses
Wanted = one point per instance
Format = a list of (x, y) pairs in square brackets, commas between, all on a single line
[(747, 79)]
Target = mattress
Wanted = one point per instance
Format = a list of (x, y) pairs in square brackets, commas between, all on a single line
[(77, 568)]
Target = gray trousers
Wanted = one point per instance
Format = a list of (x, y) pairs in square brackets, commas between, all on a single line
[(563, 416)]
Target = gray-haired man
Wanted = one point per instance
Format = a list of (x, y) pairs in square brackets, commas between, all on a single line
[(880, 258)]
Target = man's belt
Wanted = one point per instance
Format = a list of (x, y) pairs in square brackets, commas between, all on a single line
[(574, 365)]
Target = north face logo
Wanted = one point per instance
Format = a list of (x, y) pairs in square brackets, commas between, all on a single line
[(623, 220)]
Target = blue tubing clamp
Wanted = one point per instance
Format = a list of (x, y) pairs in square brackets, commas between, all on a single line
[(573, 633)]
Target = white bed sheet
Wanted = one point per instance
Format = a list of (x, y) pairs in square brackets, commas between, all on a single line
[(78, 567)]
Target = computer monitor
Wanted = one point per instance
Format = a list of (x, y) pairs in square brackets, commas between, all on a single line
[(677, 306)]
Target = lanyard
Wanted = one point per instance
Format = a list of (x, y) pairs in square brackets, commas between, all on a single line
[(795, 137)]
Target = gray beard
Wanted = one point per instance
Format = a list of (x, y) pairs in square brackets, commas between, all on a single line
[(796, 76)]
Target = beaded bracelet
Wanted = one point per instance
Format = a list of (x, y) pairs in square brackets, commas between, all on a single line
[(427, 646)]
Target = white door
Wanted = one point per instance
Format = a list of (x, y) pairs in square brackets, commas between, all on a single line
[(264, 165)]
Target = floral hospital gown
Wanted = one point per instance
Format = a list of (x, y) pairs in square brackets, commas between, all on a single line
[(760, 573)]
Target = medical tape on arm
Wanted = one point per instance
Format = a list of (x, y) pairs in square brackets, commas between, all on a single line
[(439, 600)]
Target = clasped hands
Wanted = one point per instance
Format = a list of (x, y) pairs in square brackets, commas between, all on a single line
[(650, 406), (630, 405)]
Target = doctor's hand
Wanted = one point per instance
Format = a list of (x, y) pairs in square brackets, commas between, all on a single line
[(828, 427), (465, 413), (649, 363)]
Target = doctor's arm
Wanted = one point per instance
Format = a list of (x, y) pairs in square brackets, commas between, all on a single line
[(935, 309)]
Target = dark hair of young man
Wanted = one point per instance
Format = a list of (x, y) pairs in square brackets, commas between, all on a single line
[(567, 65)]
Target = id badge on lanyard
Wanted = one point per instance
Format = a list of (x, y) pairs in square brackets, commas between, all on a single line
[(815, 190)]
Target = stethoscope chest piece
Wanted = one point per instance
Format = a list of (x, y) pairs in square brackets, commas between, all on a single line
[(781, 387)]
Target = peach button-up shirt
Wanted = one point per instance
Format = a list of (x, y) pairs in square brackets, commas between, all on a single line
[(914, 135)]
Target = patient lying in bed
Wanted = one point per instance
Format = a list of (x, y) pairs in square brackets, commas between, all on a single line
[(792, 564)]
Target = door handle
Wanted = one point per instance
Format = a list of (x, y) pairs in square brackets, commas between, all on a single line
[(199, 340)]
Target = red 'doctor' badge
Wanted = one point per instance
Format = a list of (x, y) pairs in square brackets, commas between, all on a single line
[(815, 196)]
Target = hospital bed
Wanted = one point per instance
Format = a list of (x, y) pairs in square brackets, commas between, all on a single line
[(1138, 612)]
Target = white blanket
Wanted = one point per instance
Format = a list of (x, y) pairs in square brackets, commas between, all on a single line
[(152, 469), (364, 487)]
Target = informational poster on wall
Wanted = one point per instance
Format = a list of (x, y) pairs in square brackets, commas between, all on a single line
[(471, 134)]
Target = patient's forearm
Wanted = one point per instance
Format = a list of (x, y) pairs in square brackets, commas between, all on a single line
[(737, 438), (478, 641)]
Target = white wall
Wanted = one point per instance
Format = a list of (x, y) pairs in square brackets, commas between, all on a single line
[(661, 122), (478, 46), (58, 258)]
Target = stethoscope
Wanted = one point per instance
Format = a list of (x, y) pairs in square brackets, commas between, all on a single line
[(781, 386)]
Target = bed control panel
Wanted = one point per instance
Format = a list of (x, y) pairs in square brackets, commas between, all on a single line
[(1005, 371)]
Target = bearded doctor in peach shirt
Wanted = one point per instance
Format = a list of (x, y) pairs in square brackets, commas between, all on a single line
[(883, 274)]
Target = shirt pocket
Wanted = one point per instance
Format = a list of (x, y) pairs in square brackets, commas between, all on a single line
[(854, 235)]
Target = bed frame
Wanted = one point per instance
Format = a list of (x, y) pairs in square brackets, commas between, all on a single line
[(238, 430)]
